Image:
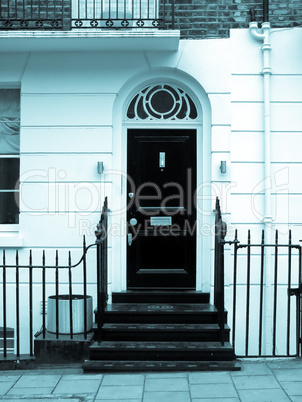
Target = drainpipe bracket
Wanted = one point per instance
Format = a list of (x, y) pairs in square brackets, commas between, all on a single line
[(266, 46), (266, 25), (267, 219), (266, 70)]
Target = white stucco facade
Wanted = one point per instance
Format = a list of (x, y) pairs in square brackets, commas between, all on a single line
[(73, 106)]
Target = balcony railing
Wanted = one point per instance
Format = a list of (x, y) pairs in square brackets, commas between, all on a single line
[(34, 14), (79, 14)]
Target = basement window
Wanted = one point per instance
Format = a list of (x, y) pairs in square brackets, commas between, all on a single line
[(9, 156)]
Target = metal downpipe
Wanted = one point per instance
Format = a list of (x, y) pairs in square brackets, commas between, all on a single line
[(264, 36)]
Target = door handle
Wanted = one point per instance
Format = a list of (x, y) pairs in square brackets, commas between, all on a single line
[(129, 239), (133, 221)]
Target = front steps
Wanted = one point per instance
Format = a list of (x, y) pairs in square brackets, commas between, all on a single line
[(179, 334)]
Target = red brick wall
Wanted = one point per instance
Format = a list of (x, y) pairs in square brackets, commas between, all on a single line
[(215, 18)]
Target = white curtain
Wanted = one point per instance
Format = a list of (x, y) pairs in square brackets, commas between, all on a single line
[(9, 121)]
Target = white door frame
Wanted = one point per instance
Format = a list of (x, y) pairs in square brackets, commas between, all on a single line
[(204, 211)]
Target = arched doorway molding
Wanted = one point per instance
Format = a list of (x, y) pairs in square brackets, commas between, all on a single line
[(119, 146)]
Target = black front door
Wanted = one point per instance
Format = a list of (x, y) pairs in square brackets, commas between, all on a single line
[(161, 238)]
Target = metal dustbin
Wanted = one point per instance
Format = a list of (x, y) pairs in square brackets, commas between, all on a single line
[(64, 314)]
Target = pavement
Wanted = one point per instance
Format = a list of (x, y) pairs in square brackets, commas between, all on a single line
[(258, 381)]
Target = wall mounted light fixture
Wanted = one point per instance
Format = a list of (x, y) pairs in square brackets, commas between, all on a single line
[(100, 167), (223, 166)]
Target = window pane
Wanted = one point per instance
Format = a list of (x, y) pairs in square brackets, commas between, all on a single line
[(9, 173), (9, 121), (9, 210)]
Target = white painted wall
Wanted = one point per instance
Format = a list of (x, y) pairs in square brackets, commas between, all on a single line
[(247, 153), (72, 106), (247, 159)]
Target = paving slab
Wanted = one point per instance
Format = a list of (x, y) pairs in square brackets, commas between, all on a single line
[(120, 392), (285, 363), (292, 388), (73, 387), (167, 384), (288, 374), (256, 382), (123, 379), (252, 369), (16, 372), (166, 396), (9, 378), (30, 391), (37, 381), (5, 387), (46, 398), (118, 400), (262, 395), (209, 391), (167, 374), (74, 377), (46, 370), (217, 400), (209, 378)]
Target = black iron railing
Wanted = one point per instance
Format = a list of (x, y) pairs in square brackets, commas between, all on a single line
[(269, 316), (38, 276), (265, 322), (18, 303), (220, 233), (67, 14), (102, 264), (35, 14), (121, 14)]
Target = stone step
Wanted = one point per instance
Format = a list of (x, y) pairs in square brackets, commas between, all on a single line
[(162, 332), (156, 296), (168, 351), (161, 313), (107, 366)]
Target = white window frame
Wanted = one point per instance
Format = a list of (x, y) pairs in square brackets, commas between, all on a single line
[(9, 232)]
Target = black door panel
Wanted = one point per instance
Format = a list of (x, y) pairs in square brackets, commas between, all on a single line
[(161, 251)]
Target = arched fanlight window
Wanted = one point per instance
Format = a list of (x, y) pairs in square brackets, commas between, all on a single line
[(162, 102)]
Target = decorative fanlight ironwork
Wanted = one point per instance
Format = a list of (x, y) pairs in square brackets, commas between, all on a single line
[(162, 102)]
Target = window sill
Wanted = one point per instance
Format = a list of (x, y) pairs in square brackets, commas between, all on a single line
[(9, 236), (11, 241)]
